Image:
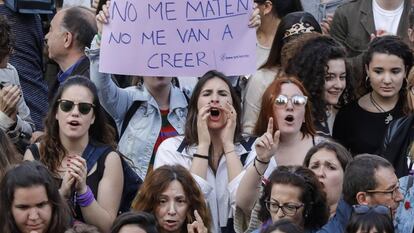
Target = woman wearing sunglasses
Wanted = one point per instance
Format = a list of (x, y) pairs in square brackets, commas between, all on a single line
[(371, 219), (293, 192), (286, 126), (75, 128)]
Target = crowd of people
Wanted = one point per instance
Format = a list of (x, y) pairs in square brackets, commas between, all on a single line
[(319, 139)]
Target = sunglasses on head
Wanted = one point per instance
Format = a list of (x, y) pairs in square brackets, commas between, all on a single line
[(379, 209), (296, 100), (68, 105)]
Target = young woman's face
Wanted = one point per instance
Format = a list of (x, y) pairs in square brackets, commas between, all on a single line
[(74, 122), (335, 81), (325, 164), (286, 195), (215, 93), (386, 74), (31, 209), (289, 117), (172, 208)]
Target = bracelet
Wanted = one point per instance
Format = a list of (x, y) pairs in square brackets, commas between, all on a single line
[(262, 162), (98, 36), (85, 199), (228, 152), (257, 170), (200, 156)]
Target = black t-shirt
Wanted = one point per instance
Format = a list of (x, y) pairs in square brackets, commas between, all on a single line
[(361, 131)]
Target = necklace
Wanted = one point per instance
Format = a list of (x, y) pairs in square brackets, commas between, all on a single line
[(389, 117)]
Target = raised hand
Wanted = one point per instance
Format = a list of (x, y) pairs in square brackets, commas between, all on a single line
[(197, 226), (102, 16), (268, 143), (67, 183), (227, 134), (255, 20), (202, 128), (9, 98)]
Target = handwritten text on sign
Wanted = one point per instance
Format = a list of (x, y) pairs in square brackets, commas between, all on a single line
[(178, 37)]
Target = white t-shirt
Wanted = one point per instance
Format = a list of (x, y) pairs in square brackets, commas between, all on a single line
[(387, 20)]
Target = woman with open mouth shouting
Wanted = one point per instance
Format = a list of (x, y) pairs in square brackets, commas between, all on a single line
[(286, 125), (212, 148)]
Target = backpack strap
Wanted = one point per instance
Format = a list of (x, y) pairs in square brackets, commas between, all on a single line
[(134, 107), (131, 111), (182, 146), (35, 151), (92, 154)]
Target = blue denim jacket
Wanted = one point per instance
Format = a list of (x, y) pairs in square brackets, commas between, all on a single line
[(405, 213), (138, 140)]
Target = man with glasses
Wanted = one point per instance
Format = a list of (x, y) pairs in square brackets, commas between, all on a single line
[(369, 180)]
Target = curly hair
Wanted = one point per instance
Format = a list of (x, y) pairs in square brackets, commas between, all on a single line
[(6, 38), (316, 211), (268, 100), (51, 149), (311, 65), (157, 181), (30, 174)]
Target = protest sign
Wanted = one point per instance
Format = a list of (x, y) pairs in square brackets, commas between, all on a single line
[(178, 38)]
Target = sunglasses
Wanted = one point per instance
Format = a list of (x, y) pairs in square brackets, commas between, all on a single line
[(379, 209), (68, 105), (296, 100)]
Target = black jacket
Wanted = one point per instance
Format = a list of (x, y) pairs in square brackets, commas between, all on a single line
[(396, 144)]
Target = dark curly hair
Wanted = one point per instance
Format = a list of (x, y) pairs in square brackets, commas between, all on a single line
[(6, 38), (311, 65), (316, 212)]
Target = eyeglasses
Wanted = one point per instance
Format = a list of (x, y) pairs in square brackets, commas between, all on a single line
[(288, 209), (394, 191), (296, 100), (68, 105), (379, 209)]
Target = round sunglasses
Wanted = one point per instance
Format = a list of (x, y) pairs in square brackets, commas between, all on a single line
[(68, 105), (296, 100)]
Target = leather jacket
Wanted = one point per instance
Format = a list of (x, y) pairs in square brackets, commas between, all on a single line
[(396, 144)]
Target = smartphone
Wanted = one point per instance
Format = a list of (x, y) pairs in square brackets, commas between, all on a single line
[(2, 84)]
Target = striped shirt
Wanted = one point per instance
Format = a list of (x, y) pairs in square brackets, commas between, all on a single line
[(27, 58)]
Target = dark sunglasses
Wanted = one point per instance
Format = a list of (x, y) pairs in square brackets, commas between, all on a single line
[(379, 209), (68, 105)]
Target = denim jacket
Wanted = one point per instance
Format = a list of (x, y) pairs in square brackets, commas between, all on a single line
[(138, 140), (405, 213)]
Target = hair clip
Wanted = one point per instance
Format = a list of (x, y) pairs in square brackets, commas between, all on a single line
[(298, 28)]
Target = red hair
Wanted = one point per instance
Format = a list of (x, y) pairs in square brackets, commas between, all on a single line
[(268, 101)]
